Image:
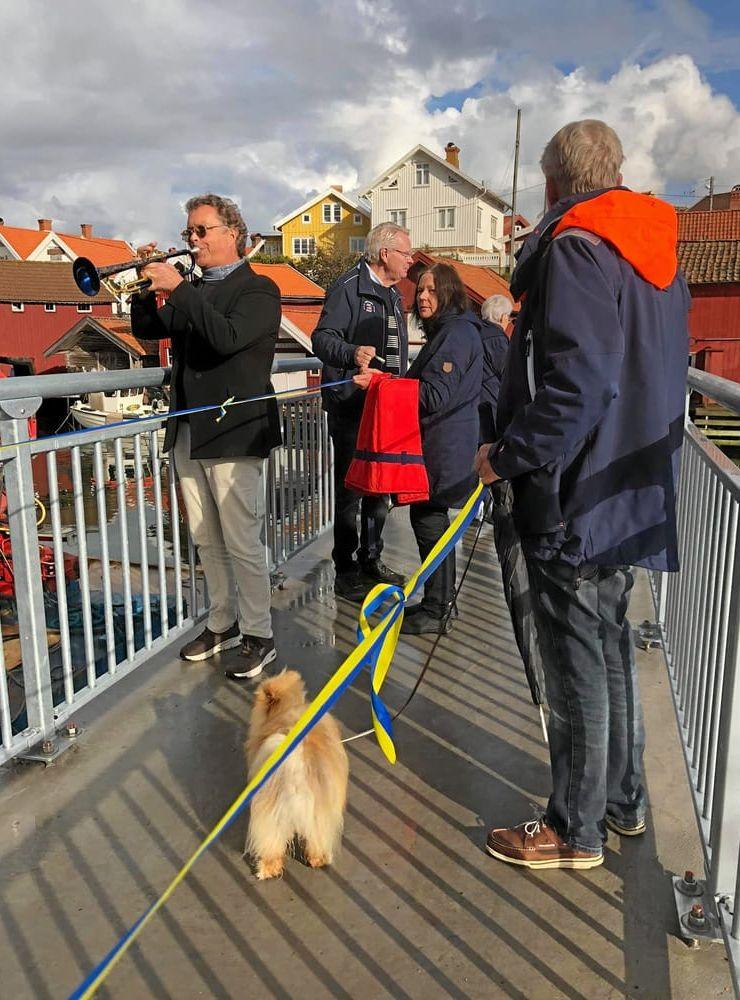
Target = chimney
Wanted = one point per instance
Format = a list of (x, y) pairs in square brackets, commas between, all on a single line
[(336, 187), (44, 225), (735, 198), (86, 230), (452, 155)]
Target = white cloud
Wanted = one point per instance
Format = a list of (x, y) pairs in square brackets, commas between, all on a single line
[(116, 120)]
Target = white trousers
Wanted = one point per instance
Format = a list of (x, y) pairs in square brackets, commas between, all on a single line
[(225, 503)]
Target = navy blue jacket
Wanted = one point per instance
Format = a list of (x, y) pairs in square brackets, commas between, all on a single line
[(594, 456), (450, 371), (354, 314), (495, 347)]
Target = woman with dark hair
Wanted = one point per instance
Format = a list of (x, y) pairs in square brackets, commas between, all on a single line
[(449, 368)]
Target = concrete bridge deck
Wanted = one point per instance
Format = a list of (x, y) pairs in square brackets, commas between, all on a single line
[(414, 907)]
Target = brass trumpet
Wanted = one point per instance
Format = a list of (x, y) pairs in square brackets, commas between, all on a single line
[(89, 278)]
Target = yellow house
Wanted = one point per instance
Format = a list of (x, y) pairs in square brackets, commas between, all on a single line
[(329, 219)]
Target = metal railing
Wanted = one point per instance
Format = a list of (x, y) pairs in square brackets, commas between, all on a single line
[(114, 576), (698, 611)]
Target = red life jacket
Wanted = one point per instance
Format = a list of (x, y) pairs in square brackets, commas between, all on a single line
[(388, 456)]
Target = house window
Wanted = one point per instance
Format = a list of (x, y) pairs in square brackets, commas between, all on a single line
[(357, 219), (304, 246), (445, 218), (306, 217), (357, 244), (422, 174), (332, 212), (84, 307), (398, 216), (494, 227), (50, 307), (16, 307), (480, 220)]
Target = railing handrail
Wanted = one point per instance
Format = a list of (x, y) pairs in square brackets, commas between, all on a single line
[(59, 385), (721, 390)]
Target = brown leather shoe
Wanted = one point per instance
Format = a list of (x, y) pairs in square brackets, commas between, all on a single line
[(536, 845)]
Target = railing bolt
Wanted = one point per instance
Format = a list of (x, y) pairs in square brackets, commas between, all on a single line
[(48, 747), (689, 885), (696, 918), (689, 878), (71, 730)]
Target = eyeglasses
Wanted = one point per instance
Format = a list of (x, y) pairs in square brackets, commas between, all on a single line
[(404, 253), (200, 231)]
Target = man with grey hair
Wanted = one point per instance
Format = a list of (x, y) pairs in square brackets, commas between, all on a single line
[(362, 325), (589, 431), (224, 328)]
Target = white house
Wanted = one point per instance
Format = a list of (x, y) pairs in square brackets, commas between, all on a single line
[(444, 210)]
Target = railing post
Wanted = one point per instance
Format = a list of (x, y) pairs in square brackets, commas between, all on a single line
[(725, 830), (24, 542)]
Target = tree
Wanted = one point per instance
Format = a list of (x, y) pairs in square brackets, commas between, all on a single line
[(326, 265), (266, 258)]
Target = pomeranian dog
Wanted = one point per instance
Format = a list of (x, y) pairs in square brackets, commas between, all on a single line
[(305, 798)]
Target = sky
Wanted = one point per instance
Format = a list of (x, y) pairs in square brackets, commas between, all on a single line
[(115, 114)]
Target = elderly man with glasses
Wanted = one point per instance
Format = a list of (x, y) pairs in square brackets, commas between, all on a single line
[(224, 328), (362, 325)]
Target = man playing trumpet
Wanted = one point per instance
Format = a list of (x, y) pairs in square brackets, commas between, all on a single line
[(224, 328)]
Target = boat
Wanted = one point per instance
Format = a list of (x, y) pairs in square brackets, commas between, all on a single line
[(103, 408)]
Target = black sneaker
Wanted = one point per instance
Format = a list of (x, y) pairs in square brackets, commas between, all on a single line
[(377, 571), (209, 643), (424, 623), (256, 653), (351, 585)]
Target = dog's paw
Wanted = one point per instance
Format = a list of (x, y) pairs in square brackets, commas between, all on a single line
[(269, 869), (317, 860)]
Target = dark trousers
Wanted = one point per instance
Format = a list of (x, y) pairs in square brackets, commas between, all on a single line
[(373, 510), (595, 728), (429, 522)]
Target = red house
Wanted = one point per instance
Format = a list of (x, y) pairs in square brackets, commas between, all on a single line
[(709, 256), (39, 302)]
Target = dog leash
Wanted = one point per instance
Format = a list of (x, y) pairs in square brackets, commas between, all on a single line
[(487, 503)]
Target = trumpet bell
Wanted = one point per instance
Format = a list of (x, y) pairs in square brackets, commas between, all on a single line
[(86, 276)]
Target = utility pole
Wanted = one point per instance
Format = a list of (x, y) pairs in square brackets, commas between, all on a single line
[(513, 192), (711, 193)]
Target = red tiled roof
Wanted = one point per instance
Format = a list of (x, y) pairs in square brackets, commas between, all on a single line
[(721, 201), (709, 225), (101, 251), (710, 261), (23, 241), (304, 317), (42, 281), (119, 330), (292, 283)]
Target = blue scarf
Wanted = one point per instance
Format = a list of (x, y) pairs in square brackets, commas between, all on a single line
[(219, 273)]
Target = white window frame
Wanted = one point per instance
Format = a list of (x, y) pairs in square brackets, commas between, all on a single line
[(357, 244), (306, 219), (326, 212), (333, 210), (50, 307), (494, 227), (17, 307), (479, 220), (448, 221), (357, 219), (337, 212), (84, 307), (310, 243), (421, 169), (398, 212)]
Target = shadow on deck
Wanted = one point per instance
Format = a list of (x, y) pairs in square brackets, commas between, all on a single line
[(414, 907)]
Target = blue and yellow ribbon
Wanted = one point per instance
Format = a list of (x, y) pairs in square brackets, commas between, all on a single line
[(375, 649)]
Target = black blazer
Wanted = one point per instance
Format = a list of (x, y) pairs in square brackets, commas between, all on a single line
[(223, 344)]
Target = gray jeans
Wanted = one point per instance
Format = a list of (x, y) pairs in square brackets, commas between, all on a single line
[(225, 503)]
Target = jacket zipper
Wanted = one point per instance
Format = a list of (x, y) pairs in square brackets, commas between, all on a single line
[(529, 354)]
